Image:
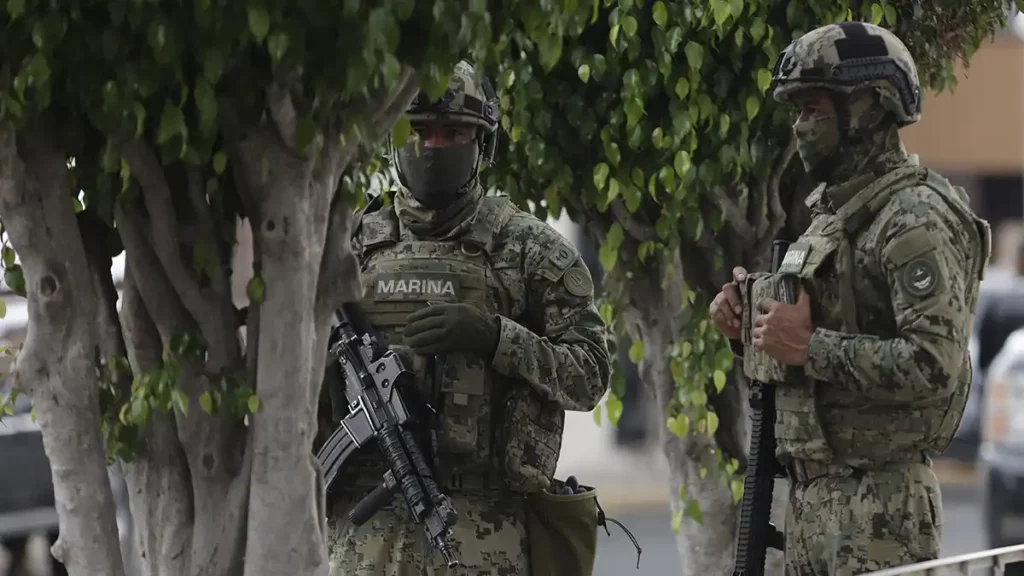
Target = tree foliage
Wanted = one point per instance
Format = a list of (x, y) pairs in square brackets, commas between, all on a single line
[(161, 129), (657, 130)]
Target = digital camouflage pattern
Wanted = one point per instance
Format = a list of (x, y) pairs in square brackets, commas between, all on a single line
[(848, 57), (503, 416), (464, 102), (861, 522), (892, 261), (490, 536)]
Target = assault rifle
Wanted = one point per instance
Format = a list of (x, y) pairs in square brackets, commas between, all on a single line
[(374, 379), (756, 531)]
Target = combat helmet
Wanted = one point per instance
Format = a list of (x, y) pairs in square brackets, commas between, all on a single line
[(437, 176), (468, 100), (851, 56)]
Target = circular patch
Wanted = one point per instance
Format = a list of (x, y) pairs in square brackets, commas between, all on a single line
[(920, 277), (577, 282)]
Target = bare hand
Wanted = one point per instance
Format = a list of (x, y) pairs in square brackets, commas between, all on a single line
[(727, 307), (783, 331)]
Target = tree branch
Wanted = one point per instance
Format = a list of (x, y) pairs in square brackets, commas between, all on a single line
[(164, 227), (776, 214), (640, 231), (208, 231), (162, 302), (160, 493), (733, 215), (339, 269)]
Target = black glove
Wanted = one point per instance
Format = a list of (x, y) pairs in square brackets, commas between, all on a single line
[(447, 328)]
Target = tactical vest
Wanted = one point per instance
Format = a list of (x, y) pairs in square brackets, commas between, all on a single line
[(816, 421), (402, 274)]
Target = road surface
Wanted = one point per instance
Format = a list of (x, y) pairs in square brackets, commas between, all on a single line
[(616, 555)]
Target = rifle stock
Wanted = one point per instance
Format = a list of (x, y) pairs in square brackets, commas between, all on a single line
[(756, 531)]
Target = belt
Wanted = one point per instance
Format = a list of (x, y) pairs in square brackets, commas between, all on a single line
[(806, 470)]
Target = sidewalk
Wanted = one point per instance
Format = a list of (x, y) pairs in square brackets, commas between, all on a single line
[(638, 478)]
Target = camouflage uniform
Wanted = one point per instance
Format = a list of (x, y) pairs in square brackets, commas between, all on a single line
[(501, 416), (892, 261)]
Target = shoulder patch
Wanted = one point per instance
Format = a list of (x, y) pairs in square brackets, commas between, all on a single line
[(921, 277), (577, 281), (558, 260), (910, 245)]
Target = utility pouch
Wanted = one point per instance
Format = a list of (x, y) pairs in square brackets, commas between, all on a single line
[(562, 531)]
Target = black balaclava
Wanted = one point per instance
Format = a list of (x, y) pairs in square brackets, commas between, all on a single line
[(437, 176)]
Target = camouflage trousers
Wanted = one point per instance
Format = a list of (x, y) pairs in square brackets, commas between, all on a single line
[(864, 521), (489, 536)]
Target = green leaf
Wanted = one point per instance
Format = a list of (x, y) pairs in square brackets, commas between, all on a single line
[(629, 26), (660, 13), (613, 189), (401, 132), (259, 22), (692, 510), (172, 123), (15, 8), (584, 72), (254, 290), (253, 404), (681, 163), (14, 277), (8, 256), (3, 308), (753, 106), (764, 79), (694, 55), (220, 162), (682, 88), (597, 415), (277, 45), (679, 425), (890, 15), (636, 351), (600, 175), (736, 486), (719, 378), (876, 14), (712, 423), (677, 521), (180, 400), (608, 256), (614, 408), (206, 402)]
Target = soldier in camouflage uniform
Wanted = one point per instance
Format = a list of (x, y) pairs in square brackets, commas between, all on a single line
[(495, 312), (871, 365)]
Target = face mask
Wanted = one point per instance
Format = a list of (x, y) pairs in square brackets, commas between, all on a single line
[(437, 176), (816, 141)]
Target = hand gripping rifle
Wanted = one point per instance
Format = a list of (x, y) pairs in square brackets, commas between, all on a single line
[(756, 532), (374, 377)]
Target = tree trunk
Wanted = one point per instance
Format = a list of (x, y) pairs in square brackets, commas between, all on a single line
[(57, 365), (654, 318), (285, 531)]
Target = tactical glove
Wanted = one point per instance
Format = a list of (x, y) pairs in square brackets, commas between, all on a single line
[(448, 328)]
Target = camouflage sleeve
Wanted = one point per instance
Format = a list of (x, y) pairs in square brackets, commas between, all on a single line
[(926, 265), (566, 358)]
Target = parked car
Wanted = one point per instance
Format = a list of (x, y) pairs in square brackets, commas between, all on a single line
[(26, 492), (1001, 455)]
